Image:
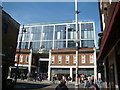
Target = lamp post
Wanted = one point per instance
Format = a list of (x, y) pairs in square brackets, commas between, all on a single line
[(76, 16), (17, 68)]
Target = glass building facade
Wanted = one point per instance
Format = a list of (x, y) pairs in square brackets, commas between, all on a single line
[(57, 36)]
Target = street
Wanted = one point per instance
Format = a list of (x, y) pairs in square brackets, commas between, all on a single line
[(44, 85)]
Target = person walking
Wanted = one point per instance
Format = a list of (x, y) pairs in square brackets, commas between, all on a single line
[(62, 86), (99, 82), (68, 79)]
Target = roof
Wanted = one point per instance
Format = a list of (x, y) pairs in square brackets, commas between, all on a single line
[(63, 51)]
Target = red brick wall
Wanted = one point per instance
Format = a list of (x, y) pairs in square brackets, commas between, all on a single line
[(87, 56)]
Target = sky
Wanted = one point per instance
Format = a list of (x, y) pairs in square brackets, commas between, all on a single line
[(45, 12)]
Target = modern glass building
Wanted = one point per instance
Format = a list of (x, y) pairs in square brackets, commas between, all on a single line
[(57, 36), (43, 37)]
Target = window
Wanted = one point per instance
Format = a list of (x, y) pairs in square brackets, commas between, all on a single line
[(83, 58), (21, 58), (15, 57), (67, 59), (71, 33), (87, 43), (27, 58), (91, 59), (71, 44), (74, 59), (48, 32), (60, 32), (43, 36), (87, 31), (58, 35), (59, 59), (60, 44), (52, 59)]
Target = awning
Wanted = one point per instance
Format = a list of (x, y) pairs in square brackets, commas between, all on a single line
[(61, 71)]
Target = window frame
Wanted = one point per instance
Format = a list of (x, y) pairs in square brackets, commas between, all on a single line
[(52, 59), (67, 59), (21, 58), (83, 59), (59, 59), (27, 58), (91, 59), (74, 59), (16, 57)]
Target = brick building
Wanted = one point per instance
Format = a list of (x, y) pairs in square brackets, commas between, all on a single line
[(26, 60), (10, 30), (109, 54), (62, 62)]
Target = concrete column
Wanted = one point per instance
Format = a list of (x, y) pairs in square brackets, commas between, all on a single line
[(30, 61), (49, 69), (71, 72)]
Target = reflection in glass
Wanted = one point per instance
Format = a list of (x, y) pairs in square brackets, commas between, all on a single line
[(60, 32), (24, 45), (87, 31), (36, 31), (47, 33), (60, 44), (87, 43), (35, 45), (47, 45)]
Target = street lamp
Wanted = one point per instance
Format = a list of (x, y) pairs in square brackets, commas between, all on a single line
[(17, 68), (76, 41)]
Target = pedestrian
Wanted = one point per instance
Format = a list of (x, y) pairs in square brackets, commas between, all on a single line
[(44, 77), (68, 79), (38, 78), (54, 78), (85, 82), (14, 78), (87, 85), (22, 75), (62, 86), (99, 82), (35, 76)]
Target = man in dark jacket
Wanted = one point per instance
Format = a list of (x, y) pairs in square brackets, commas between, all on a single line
[(62, 86)]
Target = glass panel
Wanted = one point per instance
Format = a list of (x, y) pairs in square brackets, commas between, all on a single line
[(24, 45), (47, 45), (19, 37), (88, 43), (71, 44), (47, 33), (35, 45), (36, 31), (87, 31), (60, 32), (60, 44), (26, 37), (71, 33)]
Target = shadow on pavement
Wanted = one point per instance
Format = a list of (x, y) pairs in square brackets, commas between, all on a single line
[(27, 86)]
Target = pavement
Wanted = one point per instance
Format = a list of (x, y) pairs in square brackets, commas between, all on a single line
[(44, 85)]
